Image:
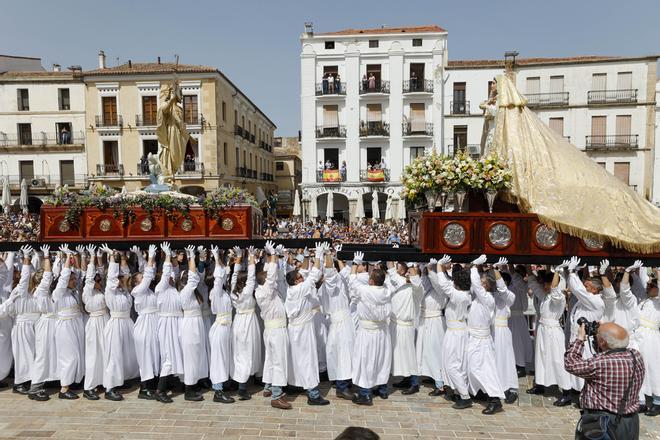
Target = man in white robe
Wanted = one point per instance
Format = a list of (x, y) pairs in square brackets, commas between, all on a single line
[(623, 308), (504, 357), (6, 322), (300, 309), (372, 352)]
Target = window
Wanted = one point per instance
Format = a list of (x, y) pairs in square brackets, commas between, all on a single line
[(624, 81), (533, 85), (557, 84), (417, 118), (235, 117), (224, 152), (279, 166), (26, 169), (458, 106), (331, 116), (599, 81), (417, 42), (598, 128), (25, 134), (373, 43), (374, 113), (63, 99), (238, 158), (64, 133), (23, 100), (111, 156), (622, 171), (460, 137), (329, 45), (416, 152), (67, 176), (224, 111), (331, 158), (149, 110), (557, 124), (149, 146), (190, 109), (374, 156), (623, 128), (109, 108)]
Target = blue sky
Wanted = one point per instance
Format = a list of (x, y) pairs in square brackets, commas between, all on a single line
[(256, 43)]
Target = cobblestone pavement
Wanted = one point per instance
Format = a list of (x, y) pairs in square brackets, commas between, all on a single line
[(398, 418)]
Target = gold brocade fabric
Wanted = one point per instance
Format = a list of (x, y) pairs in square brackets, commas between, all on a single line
[(565, 188)]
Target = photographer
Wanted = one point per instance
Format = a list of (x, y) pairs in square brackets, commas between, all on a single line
[(613, 378)]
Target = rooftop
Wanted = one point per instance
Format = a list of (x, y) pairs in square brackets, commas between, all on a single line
[(466, 64), (132, 68), (387, 30), (21, 75)]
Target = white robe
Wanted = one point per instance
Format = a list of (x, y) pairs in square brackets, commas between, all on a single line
[(6, 322), (44, 368), (550, 348), (194, 337), (220, 333), (118, 341), (276, 338), (523, 346), (170, 315), (69, 332), (94, 329), (454, 349), (341, 333), (25, 310), (647, 339), (481, 349), (589, 306), (145, 331), (504, 357), (245, 330), (406, 304), (431, 331), (372, 351), (623, 310), (299, 306)]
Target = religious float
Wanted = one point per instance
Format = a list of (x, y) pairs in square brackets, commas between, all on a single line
[(530, 196)]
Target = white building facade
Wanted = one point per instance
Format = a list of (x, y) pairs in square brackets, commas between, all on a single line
[(42, 130), (605, 106), (655, 195), (370, 100)]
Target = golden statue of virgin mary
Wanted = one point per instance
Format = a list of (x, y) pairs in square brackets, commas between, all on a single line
[(171, 131)]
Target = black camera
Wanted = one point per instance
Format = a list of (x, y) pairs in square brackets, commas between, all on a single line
[(591, 328)]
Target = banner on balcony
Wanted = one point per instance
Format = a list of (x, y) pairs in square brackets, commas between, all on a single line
[(376, 175), (331, 176)]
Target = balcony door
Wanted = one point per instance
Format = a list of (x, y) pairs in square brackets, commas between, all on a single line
[(374, 117), (374, 156), (557, 124), (25, 134), (622, 171), (624, 81), (149, 110), (460, 137), (26, 169), (111, 156), (67, 176), (109, 106), (417, 71), (458, 103), (63, 133), (598, 129), (331, 120), (533, 88), (623, 123), (190, 109), (331, 157), (556, 84), (599, 81), (417, 118)]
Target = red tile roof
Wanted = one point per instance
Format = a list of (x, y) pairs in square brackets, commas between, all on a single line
[(387, 30), (48, 74), (125, 69)]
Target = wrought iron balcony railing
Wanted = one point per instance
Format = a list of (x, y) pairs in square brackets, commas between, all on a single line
[(238, 130), (381, 86), (459, 107), (113, 120), (536, 100), (417, 129), (330, 176), (145, 121), (375, 175), (612, 142), (42, 139), (338, 131), (418, 85), (612, 96), (374, 128), (109, 169), (326, 88), (241, 171)]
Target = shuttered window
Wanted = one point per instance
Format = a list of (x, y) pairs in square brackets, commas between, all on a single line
[(623, 125), (556, 84), (624, 81), (599, 81), (330, 116), (533, 85), (149, 110), (109, 104), (599, 127), (374, 113), (557, 124), (417, 117), (622, 171), (190, 109)]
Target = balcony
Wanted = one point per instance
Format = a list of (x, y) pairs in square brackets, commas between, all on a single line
[(612, 142), (418, 86), (417, 129), (46, 182), (473, 150), (109, 170), (238, 130), (241, 172), (246, 135), (145, 121), (252, 139), (39, 140), (623, 96), (541, 100), (374, 128), (381, 86), (108, 121), (330, 176), (459, 108), (186, 168), (338, 131), (266, 177), (191, 119), (267, 147), (375, 175), (325, 89)]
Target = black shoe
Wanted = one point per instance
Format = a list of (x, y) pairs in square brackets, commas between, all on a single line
[(653, 411), (437, 392), (521, 372), (323, 376), (39, 396), (77, 386), (511, 397), (147, 395), (319, 401), (412, 390), (90, 395), (193, 396), (462, 403), (206, 384), (450, 396), (162, 397), (3, 385), (494, 406), (347, 395), (69, 395), (221, 397), (244, 395), (480, 396), (536, 389), (404, 383), (563, 401), (362, 400), (22, 388), (113, 395), (383, 395)]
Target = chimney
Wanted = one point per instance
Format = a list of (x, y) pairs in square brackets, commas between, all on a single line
[(130, 64), (101, 59), (158, 60), (309, 29), (57, 68)]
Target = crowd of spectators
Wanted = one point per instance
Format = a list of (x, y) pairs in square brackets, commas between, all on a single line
[(19, 227), (368, 233)]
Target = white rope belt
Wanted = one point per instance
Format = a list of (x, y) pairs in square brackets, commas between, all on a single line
[(339, 316), (49, 315), (501, 321), (245, 312), (455, 324), (68, 313), (148, 311), (372, 325), (170, 314), (402, 323), (479, 332), (192, 313), (28, 317), (651, 325), (120, 314), (275, 323), (98, 313), (430, 313), (223, 318), (546, 322)]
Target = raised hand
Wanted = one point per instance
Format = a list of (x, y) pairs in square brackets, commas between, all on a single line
[(280, 249), (27, 251), (105, 249), (65, 249), (305, 252), (190, 251), (602, 269), (573, 264), (433, 262), (479, 260), (269, 247), (91, 249), (45, 249), (338, 247), (80, 249), (252, 251), (237, 251), (636, 265), (358, 257), (136, 250), (165, 247), (215, 251), (446, 259), (501, 263), (152, 251)]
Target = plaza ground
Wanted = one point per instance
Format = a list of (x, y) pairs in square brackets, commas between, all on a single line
[(398, 418)]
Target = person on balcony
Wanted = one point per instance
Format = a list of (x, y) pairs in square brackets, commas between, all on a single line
[(65, 136), (372, 83), (331, 84), (382, 164), (328, 165), (324, 84), (365, 82), (413, 81), (342, 171), (337, 84)]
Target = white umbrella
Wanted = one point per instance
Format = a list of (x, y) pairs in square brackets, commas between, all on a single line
[(330, 207), (296, 204), (388, 209), (23, 200), (402, 209), (359, 208), (375, 213), (313, 209), (6, 195)]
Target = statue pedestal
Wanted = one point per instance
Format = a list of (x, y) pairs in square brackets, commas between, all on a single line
[(156, 188)]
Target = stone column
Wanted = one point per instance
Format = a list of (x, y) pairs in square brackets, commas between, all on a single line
[(352, 204)]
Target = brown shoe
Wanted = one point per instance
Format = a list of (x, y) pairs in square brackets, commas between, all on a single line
[(268, 393), (280, 404)]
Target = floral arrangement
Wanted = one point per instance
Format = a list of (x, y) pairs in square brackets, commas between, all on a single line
[(423, 174), (494, 173), (460, 172), (123, 204)]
